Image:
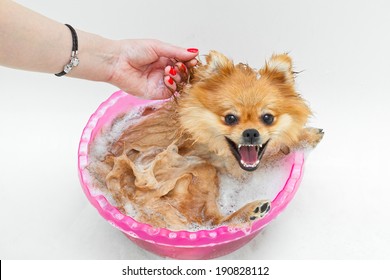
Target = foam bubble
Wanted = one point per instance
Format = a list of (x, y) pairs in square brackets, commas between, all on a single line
[(262, 184), (130, 210)]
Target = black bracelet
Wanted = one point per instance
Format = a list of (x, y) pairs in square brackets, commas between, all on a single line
[(74, 60)]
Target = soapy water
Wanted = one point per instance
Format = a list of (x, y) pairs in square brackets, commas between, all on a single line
[(263, 184)]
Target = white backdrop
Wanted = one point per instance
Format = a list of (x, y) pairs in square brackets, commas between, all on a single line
[(341, 210)]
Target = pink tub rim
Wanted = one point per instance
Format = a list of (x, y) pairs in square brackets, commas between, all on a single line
[(106, 112)]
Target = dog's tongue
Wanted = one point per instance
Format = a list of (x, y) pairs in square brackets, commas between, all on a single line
[(248, 154)]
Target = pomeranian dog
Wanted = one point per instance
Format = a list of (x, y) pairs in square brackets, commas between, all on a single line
[(229, 119)]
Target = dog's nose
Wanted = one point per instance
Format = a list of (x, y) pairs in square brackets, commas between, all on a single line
[(251, 136)]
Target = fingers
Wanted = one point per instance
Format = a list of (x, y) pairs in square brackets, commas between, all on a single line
[(174, 73), (170, 84), (177, 75), (192, 63)]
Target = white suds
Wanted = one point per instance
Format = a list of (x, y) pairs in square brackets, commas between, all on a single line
[(262, 184)]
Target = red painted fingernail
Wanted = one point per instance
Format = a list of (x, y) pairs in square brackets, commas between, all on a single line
[(183, 68), (193, 50), (172, 71), (170, 81)]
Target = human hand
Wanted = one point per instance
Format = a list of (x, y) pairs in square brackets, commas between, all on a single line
[(149, 68)]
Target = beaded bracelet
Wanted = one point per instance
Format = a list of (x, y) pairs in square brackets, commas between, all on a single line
[(74, 60)]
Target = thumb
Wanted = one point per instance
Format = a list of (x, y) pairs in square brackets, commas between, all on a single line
[(167, 50)]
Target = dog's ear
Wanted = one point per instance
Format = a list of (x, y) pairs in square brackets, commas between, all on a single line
[(279, 69), (216, 63)]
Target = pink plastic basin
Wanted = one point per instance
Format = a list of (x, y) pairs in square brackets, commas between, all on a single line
[(202, 244)]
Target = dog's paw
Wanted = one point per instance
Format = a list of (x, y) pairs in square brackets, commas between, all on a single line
[(247, 214), (260, 209), (311, 136)]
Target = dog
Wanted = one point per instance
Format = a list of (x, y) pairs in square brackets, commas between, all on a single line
[(228, 119)]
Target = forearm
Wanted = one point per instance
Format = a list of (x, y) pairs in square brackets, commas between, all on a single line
[(30, 41)]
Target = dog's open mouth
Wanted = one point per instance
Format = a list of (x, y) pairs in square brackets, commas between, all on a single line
[(247, 155)]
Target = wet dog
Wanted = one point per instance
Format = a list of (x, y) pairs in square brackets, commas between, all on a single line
[(229, 119)]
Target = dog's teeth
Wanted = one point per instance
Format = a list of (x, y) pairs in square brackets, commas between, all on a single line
[(257, 146), (250, 165)]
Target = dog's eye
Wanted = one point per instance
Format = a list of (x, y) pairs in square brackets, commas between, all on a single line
[(231, 119), (268, 119)]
